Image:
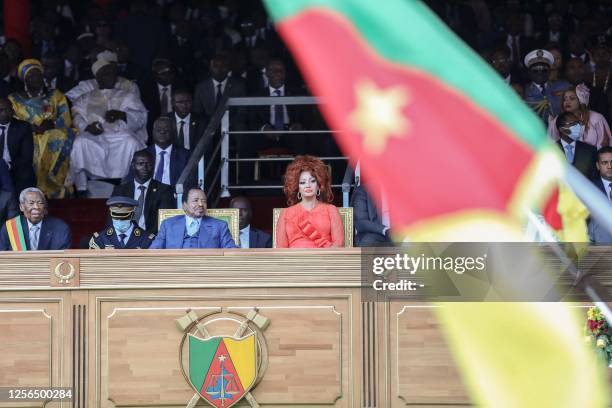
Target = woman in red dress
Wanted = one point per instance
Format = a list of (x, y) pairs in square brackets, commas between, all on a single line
[(310, 221)]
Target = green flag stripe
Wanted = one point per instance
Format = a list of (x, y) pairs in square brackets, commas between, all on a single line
[(406, 32), (201, 354)]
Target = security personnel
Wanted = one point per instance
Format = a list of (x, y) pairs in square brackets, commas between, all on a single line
[(542, 94), (124, 233)]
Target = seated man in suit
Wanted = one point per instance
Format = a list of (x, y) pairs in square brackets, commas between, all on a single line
[(194, 229), (209, 92), (156, 91), (150, 194), (597, 233), (372, 228), (35, 230), (16, 147), (249, 237), (190, 126), (582, 155), (123, 233), (170, 159)]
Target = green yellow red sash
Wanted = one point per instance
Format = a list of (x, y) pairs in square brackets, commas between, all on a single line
[(15, 233)]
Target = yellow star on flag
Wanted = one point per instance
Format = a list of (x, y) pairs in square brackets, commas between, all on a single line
[(378, 115)]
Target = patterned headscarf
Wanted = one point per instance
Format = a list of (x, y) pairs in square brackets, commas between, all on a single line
[(583, 93), (27, 65)]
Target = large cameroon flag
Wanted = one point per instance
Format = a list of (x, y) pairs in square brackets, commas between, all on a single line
[(449, 144), (459, 158)]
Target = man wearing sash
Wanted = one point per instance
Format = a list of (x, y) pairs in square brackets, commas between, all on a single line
[(34, 230)]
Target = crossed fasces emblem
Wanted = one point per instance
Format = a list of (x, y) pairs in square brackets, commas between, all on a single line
[(223, 369)]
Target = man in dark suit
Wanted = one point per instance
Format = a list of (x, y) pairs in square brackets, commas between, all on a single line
[(35, 229), (194, 229), (122, 232), (170, 159), (370, 226), (582, 155), (16, 147), (597, 233), (150, 194), (54, 73), (209, 92), (156, 91), (190, 127), (249, 237)]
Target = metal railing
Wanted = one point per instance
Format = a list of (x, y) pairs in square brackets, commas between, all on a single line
[(221, 118)]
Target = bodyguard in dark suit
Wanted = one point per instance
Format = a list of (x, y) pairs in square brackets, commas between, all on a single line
[(170, 159), (598, 233), (16, 147), (189, 126), (249, 237), (369, 224), (122, 232), (581, 155), (38, 231), (156, 195)]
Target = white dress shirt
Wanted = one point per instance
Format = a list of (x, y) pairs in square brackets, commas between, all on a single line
[(272, 114), (244, 237), (6, 155), (186, 120), (166, 175), (606, 184), (160, 89), (216, 83), (141, 220)]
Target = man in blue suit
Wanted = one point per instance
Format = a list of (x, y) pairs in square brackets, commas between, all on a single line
[(38, 231), (194, 229), (170, 158)]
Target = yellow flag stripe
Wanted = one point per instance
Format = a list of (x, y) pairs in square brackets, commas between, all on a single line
[(243, 353)]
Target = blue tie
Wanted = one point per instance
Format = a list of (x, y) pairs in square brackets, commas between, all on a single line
[(279, 119), (159, 172), (570, 153)]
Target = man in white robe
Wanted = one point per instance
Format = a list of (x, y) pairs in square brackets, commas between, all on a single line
[(111, 128)]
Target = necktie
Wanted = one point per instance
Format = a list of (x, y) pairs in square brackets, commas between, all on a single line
[(610, 195), (140, 207), (279, 120), (34, 237), (193, 228), (159, 172), (164, 100), (219, 95), (122, 240), (181, 134), (2, 137), (569, 153)]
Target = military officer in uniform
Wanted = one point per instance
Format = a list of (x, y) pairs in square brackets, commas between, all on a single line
[(124, 233), (541, 94)]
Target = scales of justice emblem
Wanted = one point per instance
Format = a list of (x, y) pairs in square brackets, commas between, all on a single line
[(222, 369)]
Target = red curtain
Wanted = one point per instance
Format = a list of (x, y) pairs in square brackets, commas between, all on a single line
[(17, 23)]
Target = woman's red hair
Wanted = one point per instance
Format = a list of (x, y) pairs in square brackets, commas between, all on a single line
[(317, 168)]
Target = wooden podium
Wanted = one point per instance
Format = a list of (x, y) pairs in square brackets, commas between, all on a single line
[(107, 323)]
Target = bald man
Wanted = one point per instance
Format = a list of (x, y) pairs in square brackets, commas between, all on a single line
[(249, 237)]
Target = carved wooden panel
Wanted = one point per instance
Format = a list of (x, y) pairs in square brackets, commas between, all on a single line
[(422, 368), (30, 344)]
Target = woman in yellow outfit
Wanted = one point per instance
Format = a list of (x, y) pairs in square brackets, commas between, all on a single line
[(49, 114)]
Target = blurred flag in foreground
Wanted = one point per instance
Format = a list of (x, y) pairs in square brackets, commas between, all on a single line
[(459, 158)]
